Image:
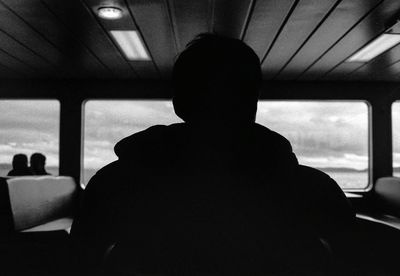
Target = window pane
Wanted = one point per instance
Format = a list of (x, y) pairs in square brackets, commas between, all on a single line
[(29, 126), (107, 122), (331, 136), (396, 137)]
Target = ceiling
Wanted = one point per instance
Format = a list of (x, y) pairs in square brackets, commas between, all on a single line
[(295, 39)]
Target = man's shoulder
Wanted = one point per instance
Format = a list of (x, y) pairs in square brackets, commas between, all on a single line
[(150, 137), (324, 196), (268, 136), (157, 130), (154, 132)]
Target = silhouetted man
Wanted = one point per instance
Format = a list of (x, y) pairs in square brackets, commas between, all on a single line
[(38, 163), (217, 194), (19, 165)]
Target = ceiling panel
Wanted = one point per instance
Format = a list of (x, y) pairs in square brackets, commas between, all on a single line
[(144, 69), (8, 73), (154, 21), (308, 14), (190, 18), (231, 17), (16, 65), (266, 22), (390, 73), (345, 15), (376, 68), (381, 65), (16, 28), (25, 54), (371, 26), (75, 58), (81, 24), (295, 39)]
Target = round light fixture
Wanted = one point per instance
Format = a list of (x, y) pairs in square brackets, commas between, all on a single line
[(110, 13)]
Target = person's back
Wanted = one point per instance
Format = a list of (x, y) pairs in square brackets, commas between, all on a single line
[(19, 166), (217, 194), (222, 206)]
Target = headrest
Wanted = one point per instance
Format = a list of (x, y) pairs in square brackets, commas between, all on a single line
[(37, 200)]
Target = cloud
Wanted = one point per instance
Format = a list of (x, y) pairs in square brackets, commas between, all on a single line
[(318, 130), (124, 118), (107, 122)]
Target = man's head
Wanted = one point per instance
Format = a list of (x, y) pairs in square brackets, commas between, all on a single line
[(38, 161), (216, 79), (20, 161)]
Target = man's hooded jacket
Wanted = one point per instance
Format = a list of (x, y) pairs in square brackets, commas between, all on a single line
[(228, 199)]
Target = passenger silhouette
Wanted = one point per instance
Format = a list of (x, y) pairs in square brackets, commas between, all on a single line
[(19, 166), (38, 163), (217, 194)]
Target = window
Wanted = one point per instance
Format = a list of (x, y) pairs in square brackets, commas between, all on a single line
[(396, 137), (107, 122), (29, 126), (329, 135)]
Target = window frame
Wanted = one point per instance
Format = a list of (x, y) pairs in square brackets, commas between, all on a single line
[(397, 100), (369, 184)]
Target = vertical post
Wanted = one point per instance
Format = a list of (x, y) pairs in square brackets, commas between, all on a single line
[(70, 137), (381, 139)]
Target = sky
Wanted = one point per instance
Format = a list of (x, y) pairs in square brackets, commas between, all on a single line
[(323, 134), (28, 126), (107, 122)]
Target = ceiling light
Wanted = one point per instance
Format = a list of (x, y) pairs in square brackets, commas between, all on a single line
[(110, 13), (384, 42), (131, 44), (381, 44)]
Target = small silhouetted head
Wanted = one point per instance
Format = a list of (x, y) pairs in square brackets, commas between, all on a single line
[(20, 161), (216, 79), (38, 161)]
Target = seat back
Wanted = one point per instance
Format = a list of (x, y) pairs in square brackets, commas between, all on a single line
[(37, 200), (388, 191)]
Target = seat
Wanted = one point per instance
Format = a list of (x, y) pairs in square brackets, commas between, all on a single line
[(375, 239), (38, 200), (35, 213), (387, 190)]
